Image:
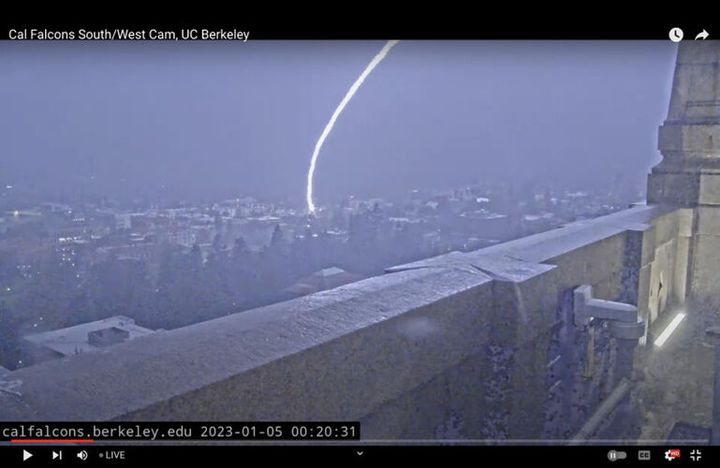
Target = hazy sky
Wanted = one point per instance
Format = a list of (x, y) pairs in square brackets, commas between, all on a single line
[(220, 119)]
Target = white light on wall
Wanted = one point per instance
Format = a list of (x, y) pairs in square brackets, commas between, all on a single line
[(669, 329)]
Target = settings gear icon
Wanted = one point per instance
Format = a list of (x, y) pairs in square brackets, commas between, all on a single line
[(672, 454)]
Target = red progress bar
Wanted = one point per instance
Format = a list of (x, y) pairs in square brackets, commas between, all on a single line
[(53, 441)]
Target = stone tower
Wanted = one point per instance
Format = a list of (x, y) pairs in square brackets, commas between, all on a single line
[(689, 174)]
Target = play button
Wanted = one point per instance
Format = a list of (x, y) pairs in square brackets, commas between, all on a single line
[(26, 455)]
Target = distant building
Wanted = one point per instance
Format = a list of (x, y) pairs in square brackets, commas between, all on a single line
[(50, 207), (485, 224), (123, 221), (327, 278), (84, 338), (181, 236)]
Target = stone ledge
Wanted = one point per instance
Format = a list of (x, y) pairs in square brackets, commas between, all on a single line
[(263, 348), (375, 339)]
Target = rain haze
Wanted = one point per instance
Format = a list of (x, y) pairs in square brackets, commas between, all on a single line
[(506, 240), (202, 121)]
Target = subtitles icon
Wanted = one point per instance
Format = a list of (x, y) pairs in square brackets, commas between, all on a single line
[(643, 455)]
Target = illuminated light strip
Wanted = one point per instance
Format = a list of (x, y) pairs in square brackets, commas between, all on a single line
[(669, 330)]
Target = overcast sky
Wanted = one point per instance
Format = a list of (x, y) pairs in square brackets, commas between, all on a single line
[(221, 119)]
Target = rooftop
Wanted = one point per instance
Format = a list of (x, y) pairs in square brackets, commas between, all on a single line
[(74, 340)]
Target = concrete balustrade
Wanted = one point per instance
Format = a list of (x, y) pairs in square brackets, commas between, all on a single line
[(453, 346)]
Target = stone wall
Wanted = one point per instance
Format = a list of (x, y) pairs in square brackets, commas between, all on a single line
[(689, 174)]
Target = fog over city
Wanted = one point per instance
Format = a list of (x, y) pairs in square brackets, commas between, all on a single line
[(206, 121), (150, 186)]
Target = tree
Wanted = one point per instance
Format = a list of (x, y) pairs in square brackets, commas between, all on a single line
[(168, 300), (277, 239), (9, 266), (243, 275), (9, 346), (217, 243), (49, 294), (195, 260), (118, 287), (239, 247)]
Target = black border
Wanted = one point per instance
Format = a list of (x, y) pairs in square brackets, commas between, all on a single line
[(381, 21)]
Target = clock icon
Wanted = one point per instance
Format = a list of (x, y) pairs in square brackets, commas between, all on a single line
[(676, 34)]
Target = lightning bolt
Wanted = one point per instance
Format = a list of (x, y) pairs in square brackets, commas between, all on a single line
[(328, 128)]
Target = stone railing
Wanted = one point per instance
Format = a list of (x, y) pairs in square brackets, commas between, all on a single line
[(478, 345)]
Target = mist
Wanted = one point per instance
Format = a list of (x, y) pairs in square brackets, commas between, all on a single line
[(208, 120)]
